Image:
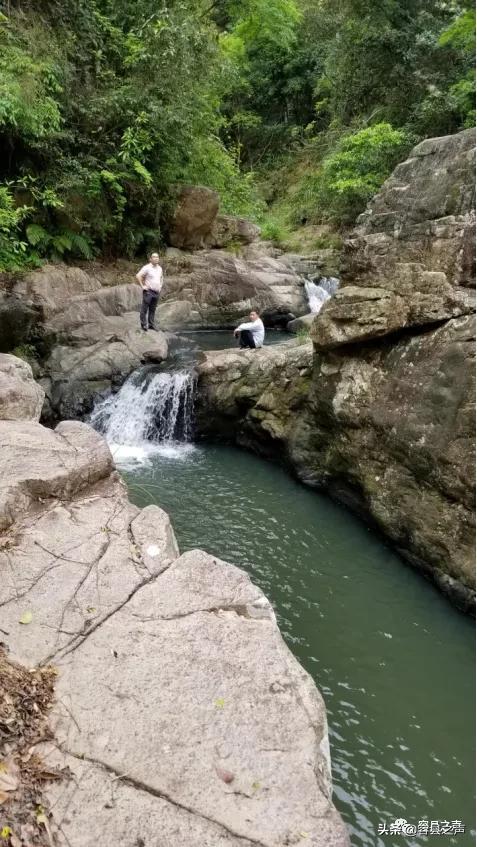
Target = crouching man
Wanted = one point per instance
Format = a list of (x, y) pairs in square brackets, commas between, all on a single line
[(252, 333), (150, 278)]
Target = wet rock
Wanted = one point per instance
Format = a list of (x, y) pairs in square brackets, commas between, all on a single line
[(254, 396)]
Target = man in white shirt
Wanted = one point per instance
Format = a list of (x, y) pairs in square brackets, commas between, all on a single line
[(252, 333), (150, 278)]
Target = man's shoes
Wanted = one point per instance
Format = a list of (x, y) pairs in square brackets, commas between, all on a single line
[(154, 328), (144, 328)]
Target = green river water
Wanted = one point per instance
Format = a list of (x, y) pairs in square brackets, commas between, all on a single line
[(393, 659)]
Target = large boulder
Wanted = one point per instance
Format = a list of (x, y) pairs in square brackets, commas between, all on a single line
[(384, 417), (21, 398), (254, 396), (98, 357), (228, 229), (180, 715), (216, 289), (301, 324), (409, 262), (90, 329), (194, 215)]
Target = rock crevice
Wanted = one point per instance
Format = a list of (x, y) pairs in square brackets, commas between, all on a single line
[(180, 714), (381, 414)]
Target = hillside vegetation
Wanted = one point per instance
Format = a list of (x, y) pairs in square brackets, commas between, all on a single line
[(295, 111)]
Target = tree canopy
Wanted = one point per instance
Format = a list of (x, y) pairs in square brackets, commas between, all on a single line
[(105, 105)]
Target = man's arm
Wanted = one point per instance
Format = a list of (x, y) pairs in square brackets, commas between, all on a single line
[(140, 277)]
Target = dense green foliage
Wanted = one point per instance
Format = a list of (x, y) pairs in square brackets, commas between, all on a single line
[(105, 105)]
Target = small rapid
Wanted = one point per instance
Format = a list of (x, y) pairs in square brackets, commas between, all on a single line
[(153, 412), (321, 291)]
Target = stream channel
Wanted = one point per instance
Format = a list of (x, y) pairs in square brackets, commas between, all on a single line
[(392, 658)]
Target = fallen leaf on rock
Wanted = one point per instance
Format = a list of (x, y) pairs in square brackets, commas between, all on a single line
[(220, 703), (26, 618), (225, 776), (5, 832), (8, 781)]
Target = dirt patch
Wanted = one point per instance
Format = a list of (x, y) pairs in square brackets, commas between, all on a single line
[(26, 696)]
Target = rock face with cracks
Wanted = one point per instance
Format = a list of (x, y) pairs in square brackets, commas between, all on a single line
[(84, 322), (180, 714), (382, 413)]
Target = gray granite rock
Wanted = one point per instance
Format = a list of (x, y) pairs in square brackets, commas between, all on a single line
[(21, 398), (382, 417), (180, 715)]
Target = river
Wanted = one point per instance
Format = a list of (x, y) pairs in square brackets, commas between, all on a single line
[(392, 658)]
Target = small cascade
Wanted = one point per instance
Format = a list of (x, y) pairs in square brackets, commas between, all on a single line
[(321, 291), (151, 410)]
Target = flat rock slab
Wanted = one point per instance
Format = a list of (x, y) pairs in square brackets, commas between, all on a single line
[(181, 717), (206, 709)]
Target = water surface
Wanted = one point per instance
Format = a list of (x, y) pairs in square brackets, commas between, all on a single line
[(393, 659)]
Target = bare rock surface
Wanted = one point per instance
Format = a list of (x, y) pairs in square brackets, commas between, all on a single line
[(410, 262), (180, 714), (383, 415), (216, 288), (228, 229), (193, 217), (20, 397), (85, 323), (91, 334)]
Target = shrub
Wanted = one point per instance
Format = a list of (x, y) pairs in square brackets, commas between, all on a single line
[(356, 169), (350, 174), (13, 249)]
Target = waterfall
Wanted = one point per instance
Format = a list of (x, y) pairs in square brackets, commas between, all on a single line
[(319, 292), (153, 412)]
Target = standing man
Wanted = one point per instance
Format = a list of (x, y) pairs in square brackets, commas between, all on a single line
[(252, 333), (150, 278)]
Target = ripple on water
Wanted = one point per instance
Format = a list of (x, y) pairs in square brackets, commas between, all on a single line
[(362, 623)]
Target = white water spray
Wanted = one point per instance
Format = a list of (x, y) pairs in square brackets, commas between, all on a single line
[(319, 292), (151, 413)]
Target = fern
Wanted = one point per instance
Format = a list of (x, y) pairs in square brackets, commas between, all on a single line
[(61, 242), (37, 235), (81, 245)]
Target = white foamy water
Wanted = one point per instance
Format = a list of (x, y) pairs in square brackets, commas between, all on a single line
[(319, 292), (151, 415)]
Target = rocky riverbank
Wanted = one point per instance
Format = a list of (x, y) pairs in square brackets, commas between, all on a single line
[(379, 412), (79, 326), (179, 714)]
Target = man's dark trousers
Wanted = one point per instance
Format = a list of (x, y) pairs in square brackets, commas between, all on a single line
[(150, 300), (246, 339)]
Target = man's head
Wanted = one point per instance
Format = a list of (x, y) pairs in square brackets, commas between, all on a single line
[(154, 258), (254, 315)]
